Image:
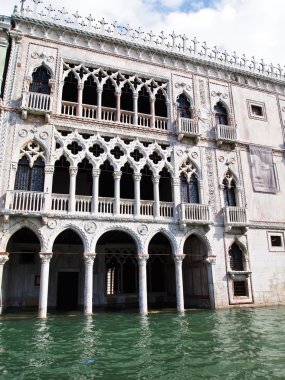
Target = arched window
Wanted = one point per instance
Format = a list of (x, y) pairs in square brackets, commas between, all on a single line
[(160, 104), (221, 114), (89, 95), (70, 88), (189, 189), (127, 98), (60, 182), (40, 81), (229, 190), (183, 107), (144, 101), (236, 258)]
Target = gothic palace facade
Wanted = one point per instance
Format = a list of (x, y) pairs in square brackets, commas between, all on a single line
[(136, 170)]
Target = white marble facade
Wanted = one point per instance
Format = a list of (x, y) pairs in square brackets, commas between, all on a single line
[(161, 135)]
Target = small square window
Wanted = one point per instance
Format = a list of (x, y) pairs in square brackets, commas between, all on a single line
[(256, 110), (240, 288), (275, 241)]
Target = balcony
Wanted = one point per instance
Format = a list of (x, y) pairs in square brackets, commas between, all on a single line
[(193, 213), (226, 134), (25, 201), (36, 103), (112, 115), (188, 128), (235, 217)]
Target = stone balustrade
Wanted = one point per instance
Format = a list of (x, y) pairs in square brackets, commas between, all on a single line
[(193, 213), (235, 216), (226, 133)]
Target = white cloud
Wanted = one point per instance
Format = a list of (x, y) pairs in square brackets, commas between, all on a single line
[(253, 27)]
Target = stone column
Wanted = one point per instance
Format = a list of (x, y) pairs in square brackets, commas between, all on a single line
[(152, 112), (167, 102), (88, 282), (45, 260), (179, 282), (72, 186), (155, 181), (118, 105), (49, 170), (135, 108), (201, 191), (117, 178), (211, 261), (3, 259), (176, 196), (99, 102), (95, 190), (142, 260), (238, 196), (137, 184), (79, 99)]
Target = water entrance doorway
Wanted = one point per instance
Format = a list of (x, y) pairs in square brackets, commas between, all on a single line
[(67, 291)]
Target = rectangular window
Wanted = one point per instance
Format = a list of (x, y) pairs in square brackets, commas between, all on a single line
[(256, 110), (240, 288), (275, 241)]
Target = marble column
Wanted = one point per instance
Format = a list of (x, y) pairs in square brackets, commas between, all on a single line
[(176, 196), (179, 282), (167, 102), (117, 179), (79, 99), (3, 259), (49, 170), (238, 196), (155, 181), (44, 280), (88, 282), (137, 184), (118, 105), (211, 262), (95, 190), (72, 186), (135, 107), (152, 112), (142, 260), (99, 102)]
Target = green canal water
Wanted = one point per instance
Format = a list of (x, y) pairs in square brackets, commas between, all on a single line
[(228, 344)]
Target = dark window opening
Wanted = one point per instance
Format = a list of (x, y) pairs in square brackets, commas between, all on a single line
[(160, 104), (60, 183), (27, 258), (189, 190), (127, 98), (106, 180), (221, 114), (108, 95), (70, 88), (183, 107), (89, 95), (146, 184), (236, 258), (276, 240), (256, 110), (84, 179), (40, 81), (240, 288), (30, 178), (229, 192), (165, 188), (127, 182), (144, 101)]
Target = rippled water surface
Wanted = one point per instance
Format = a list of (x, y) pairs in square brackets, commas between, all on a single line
[(229, 344)]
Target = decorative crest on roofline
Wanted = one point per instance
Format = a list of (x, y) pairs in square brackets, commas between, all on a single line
[(178, 44)]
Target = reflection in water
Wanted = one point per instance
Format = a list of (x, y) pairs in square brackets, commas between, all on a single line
[(230, 344)]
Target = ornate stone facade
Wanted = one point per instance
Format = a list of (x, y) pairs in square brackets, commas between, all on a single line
[(131, 181)]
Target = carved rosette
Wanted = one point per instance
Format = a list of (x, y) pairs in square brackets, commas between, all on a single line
[(45, 257)]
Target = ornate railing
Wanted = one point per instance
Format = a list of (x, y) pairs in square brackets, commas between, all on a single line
[(226, 133), (108, 114), (126, 207), (166, 209), (146, 208), (89, 111), (59, 202), (106, 205), (195, 213), (161, 122), (19, 200), (144, 120), (68, 108), (235, 215), (188, 127), (35, 101), (127, 117), (83, 203)]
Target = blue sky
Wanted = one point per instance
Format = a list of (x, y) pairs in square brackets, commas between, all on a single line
[(253, 27)]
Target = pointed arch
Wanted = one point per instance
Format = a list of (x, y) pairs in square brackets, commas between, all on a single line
[(70, 87), (189, 182), (229, 189), (40, 77), (184, 105), (221, 113)]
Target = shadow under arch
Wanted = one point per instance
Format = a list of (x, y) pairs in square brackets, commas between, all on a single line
[(22, 271), (161, 271), (117, 269), (195, 272)]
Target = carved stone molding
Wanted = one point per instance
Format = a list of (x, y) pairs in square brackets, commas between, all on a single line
[(45, 257)]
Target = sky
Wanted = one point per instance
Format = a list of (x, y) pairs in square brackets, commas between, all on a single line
[(251, 27)]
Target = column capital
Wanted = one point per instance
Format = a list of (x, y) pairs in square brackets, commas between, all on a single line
[(211, 260), (118, 93), (4, 257), (155, 178), (45, 257), (117, 174), (135, 95), (137, 177), (179, 258), (80, 86), (73, 171), (89, 258), (96, 172), (99, 89), (14, 165), (175, 181), (142, 258), (49, 169)]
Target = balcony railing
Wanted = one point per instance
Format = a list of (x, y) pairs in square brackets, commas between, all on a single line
[(59, 202), (24, 201), (192, 213), (188, 127), (36, 103), (225, 133), (109, 114), (235, 216)]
